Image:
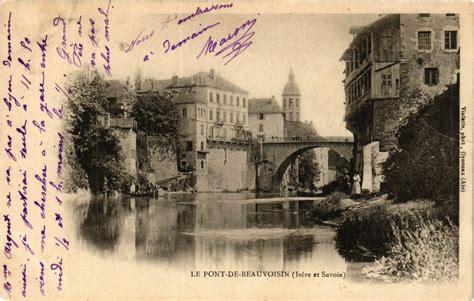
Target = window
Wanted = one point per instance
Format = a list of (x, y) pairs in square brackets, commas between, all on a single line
[(184, 112), (297, 116), (218, 114), (243, 118), (202, 129), (202, 145), (237, 101), (218, 100), (237, 117), (386, 83), (225, 133), (224, 116), (291, 116), (284, 102), (231, 117), (261, 116), (424, 40), (260, 127), (431, 76), (224, 99), (297, 102), (244, 103), (210, 114), (450, 39), (183, 164), (189, 145), (290, 102), (202, 163), (210, 97), (387, 41), (231, 100)]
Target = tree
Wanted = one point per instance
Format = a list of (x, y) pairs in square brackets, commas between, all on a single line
[(156, 113), (93, 147), (425, 164), (308, 170)]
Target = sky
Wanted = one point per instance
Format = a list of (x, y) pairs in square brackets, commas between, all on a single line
[(311, 44)]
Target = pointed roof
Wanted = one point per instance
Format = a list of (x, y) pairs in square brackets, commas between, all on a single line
[(263, 105), (291, 88)]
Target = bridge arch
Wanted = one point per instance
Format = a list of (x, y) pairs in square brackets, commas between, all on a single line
[(281, 154)]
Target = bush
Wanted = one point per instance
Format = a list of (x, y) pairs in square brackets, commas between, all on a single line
[(338, 186), (367, 234), (328, 208), (426, 163), (427, 253), (363, 234)]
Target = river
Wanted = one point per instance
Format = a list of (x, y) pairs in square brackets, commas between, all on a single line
[(231, 231)]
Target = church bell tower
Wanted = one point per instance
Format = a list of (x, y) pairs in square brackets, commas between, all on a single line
[(291, 99)]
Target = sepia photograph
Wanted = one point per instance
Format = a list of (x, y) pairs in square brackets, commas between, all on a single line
[(211, 152)]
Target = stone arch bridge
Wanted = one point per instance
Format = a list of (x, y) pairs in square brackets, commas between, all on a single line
[(278, 155)]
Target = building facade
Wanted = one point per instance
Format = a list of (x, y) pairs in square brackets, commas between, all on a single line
[(212, 132), (266, 119), (391, 64)]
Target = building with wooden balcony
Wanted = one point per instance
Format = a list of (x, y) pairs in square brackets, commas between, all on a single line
[(387, 62)]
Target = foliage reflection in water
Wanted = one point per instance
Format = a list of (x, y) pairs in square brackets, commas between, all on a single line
[(208, 231)]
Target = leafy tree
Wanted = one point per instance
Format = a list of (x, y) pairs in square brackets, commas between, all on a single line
[(93, 147), (308, 170), (157, 114), (425, 164)]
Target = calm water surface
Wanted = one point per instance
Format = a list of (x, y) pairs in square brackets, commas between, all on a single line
[(208, 232)]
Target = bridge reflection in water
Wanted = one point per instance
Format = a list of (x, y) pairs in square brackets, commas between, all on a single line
[(203, 232)]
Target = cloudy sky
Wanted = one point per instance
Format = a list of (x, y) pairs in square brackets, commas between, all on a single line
[(311, 44)]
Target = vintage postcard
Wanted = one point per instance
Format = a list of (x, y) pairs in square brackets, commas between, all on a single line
[(236, 150)]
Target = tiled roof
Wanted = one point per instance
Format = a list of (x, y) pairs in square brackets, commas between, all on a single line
[(187, 97), (198, 79), (263, 105), (360, 31), (152, 85)]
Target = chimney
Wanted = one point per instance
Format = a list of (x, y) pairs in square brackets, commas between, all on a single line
[(213, 74), (174, 80)]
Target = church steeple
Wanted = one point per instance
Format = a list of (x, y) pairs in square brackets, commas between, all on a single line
[(291, 99), (291, 76)]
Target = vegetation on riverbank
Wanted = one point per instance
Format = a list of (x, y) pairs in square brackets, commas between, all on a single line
[(94, 156), (328, 208), (414, 235), (428, 252)]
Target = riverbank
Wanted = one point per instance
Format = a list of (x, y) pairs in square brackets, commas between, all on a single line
[(416, 240)]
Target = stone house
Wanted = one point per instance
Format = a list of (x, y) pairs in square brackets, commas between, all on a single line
[(386, 62), (266, 119)]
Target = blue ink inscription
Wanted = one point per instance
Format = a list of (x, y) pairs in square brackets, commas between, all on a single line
[(234, 48)]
